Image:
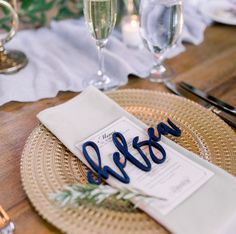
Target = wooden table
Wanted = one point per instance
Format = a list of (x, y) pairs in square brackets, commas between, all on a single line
[(210, 66)]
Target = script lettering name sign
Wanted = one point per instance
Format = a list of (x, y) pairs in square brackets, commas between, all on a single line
[(122, 153)]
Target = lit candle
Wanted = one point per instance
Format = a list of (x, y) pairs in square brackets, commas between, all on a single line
[(130, 31)]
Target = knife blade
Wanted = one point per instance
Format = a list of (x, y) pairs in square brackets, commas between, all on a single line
[(178, 90), (211, 99)]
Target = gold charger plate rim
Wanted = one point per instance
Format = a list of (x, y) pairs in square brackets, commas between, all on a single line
[(26, 174)]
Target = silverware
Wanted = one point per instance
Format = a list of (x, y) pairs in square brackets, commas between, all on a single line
[(213, 100), (229, 118), (6, 225)]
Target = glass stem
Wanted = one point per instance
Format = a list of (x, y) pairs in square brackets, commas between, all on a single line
[(100, 73), (158, 64), (158, 59)]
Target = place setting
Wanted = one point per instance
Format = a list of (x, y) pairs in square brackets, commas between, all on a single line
[(48, 166), (115, 159)]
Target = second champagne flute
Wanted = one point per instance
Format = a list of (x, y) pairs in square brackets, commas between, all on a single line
[(100, 16), (161, 27)]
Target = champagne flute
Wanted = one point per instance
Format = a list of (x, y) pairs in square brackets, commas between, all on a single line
[(100, 16), (160, 27)]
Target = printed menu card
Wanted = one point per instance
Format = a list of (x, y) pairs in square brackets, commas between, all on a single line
[(170, 182)]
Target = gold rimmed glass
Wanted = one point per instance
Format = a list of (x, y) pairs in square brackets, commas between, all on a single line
[(11, 61)]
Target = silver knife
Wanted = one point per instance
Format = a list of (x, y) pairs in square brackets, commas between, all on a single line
[(213, 100), (229, 118)]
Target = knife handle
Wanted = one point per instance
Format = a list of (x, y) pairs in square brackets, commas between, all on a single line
[(228, 118)]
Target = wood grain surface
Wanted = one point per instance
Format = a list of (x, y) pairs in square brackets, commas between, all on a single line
[(210, 66)]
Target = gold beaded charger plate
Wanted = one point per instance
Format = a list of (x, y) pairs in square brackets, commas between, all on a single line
[(47, 166)]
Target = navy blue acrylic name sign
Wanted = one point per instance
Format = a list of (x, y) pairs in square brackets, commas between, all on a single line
[(103, 172)]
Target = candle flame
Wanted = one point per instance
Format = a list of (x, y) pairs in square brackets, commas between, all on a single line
[(134, 23)]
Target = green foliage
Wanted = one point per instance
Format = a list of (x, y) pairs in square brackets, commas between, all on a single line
[(78, 194), (37, 13)]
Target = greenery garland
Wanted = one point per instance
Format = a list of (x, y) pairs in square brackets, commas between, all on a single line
[(37, 13), (79, 194)]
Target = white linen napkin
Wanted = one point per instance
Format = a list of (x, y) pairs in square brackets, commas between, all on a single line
[(209, 210)]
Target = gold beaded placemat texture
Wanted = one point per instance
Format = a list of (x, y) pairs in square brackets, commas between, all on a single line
[(47, 166)]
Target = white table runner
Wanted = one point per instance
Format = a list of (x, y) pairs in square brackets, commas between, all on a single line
[(61, 57)]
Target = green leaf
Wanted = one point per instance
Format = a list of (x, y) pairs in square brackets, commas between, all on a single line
[(5, 27), (6, 19), (5, 11), (26, 4), (39, 7), (43, 19), (48, 6), (63, 13)]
